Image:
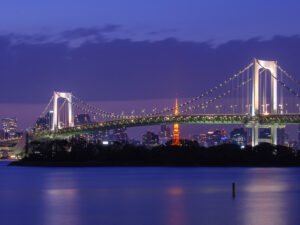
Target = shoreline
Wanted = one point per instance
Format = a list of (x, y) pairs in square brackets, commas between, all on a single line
[(142, 164)]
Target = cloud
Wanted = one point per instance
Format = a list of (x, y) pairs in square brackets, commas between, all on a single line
[(122, 69), (88, 32), (80, 32), (162, 31), (110, 28)]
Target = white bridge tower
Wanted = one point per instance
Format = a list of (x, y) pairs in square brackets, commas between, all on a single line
[(68, 97), (272, 67)]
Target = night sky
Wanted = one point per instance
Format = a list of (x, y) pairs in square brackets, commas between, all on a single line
[(131, 51)]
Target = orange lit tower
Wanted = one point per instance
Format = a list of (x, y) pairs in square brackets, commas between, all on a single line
[(176, 140)]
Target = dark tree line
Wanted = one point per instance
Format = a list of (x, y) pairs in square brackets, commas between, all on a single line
[(190, 153)]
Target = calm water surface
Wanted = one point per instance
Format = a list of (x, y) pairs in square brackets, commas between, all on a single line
[(149, 196)]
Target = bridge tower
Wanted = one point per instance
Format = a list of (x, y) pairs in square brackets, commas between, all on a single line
[(272, 67), (68, 97), (175, 140)]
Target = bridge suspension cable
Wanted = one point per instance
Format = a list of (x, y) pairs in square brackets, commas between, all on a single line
[(191, 108), (99, 112), (288, 75), (46, 108), (286, 87), (227, 81), (102, 112)]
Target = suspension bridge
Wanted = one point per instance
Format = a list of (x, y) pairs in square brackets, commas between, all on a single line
[(261, 95)]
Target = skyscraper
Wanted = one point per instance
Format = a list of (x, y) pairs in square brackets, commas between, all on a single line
[(164, 134), (44, 123), (176, 140), (9, 125), (150, 139), (81, 119), (239, 136)]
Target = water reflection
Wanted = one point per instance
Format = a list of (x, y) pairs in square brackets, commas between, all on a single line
[(175, 210), (265, 201), (149, 196), (61, 205)]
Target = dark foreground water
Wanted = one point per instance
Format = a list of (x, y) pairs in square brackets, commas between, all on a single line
[(149, 196)]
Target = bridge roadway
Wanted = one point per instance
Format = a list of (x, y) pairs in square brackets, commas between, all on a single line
[(262, 119)]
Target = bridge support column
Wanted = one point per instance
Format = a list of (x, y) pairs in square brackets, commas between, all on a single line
[(68, 97), (254, 134), (274, 134), (255, 110)]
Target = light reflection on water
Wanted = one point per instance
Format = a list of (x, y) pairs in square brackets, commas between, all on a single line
[(175, 211), (61, 204), (266, 199), (147, 196)]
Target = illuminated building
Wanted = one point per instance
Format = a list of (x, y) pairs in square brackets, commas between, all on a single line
[(9, 125), (81, 119), (119, 135), (164, 134), (176, 140), (2, 134), (213, 138), (150, 139), (44, 123), (239, 137), (299, 133)]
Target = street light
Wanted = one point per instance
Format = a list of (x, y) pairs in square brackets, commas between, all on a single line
[(218, 107), (233, 106)]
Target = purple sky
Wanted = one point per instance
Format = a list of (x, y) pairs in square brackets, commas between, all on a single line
[(214, 20), (116, 50)]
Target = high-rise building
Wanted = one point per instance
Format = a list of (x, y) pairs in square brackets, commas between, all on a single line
[(164, 134), (44, 123), (150, 139), (299, 133), (239, 136), (213, 138), (81, 119), (10, 126), (2, 134), (119, 135), (176, 140)]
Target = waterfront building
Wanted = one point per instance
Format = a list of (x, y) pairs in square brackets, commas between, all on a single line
[(164, 134), (239, 137), (213, 138), (2, 134), (10, 126), (150, 139), (119, 135), (299, 133), (44, 123), (81, 119)]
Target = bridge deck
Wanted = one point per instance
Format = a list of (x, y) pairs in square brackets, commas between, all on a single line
[(280, 119)]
